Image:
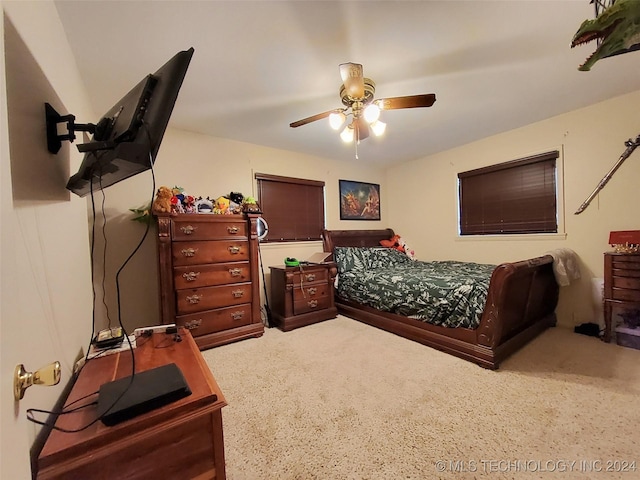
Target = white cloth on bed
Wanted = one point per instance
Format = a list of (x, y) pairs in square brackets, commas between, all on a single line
[(565, 265)]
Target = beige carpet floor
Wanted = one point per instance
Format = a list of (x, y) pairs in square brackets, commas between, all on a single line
[(344, 400)]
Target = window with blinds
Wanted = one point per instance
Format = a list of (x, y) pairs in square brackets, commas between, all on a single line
[(515, 197), (292, 207)]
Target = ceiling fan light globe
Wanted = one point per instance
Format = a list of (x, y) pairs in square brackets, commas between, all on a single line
[(347, 134), (371, 113), (378, 128), (336, 119)]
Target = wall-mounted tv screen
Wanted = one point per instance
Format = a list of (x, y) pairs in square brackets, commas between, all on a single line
[(127, 138)]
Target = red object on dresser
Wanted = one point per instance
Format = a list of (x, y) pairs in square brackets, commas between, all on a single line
[(624, 236)]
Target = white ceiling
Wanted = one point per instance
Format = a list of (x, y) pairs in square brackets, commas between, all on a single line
[(260, 65)]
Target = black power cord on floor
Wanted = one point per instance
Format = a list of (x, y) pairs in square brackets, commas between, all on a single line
[(267, 309)]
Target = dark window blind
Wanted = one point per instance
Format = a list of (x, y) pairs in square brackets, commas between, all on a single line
[(515, 197), (293, 207)]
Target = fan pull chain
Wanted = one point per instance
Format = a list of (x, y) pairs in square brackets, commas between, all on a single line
[(357, 142)]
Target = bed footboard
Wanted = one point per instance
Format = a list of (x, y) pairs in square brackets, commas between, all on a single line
[(521, 302)]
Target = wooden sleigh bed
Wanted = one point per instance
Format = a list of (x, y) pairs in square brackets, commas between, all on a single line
[(521, 301)]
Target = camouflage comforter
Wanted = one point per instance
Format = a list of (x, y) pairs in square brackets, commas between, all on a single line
[(446, 293)]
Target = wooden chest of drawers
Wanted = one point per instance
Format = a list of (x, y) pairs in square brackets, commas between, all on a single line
[(182, 439), (302, 295), (209, 279), (621, 285)]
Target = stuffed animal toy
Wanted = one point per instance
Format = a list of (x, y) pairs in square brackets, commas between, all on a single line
[(204, 205), (405, 248), (236, 200), (176, 205), (177, 201), (189, 204), (236, 197), (393, 242), (178, 192), (250, 205), (162, 202), (222, 206), (399, 244)]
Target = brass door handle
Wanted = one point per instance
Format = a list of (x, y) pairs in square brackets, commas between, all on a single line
[(237, 293), (234, 249), (233, 230), (188, 229), (235, 272), (188, 252), (49, 375)]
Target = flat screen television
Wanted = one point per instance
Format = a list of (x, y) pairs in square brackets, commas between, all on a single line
[(127, 138)]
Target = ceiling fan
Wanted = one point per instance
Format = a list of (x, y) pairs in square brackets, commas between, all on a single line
[(357, 94)]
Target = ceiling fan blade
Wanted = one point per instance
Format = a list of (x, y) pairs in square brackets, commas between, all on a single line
[(304, 121), (362, 128), (412, 101), (353, 79)]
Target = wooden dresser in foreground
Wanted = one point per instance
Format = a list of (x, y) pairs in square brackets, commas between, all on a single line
[(209, 281), (181, 440), (621, 286), (302, 295)]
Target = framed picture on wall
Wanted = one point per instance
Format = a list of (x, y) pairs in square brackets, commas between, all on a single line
[(359, 200)]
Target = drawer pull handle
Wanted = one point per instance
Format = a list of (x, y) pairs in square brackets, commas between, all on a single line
[(234, 249), (237, 315), (193, 299), (235, 272), (310, 277), (193, 324), (188, 229), (237, 293), (233, 230), (190, 276), (313, 303), (312, 291), (188, 252)]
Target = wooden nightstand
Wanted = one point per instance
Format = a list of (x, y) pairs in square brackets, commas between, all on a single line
[(302, 295), (621, 285)]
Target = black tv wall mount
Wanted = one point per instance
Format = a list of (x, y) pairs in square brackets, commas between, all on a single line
[(53, 118), (54, 139)]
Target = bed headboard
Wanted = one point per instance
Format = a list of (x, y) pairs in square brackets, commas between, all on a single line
[(354, 238)]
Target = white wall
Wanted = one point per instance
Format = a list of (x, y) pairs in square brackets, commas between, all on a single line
[(46, 308), (210, 167), (45, 280), (590, 139)]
